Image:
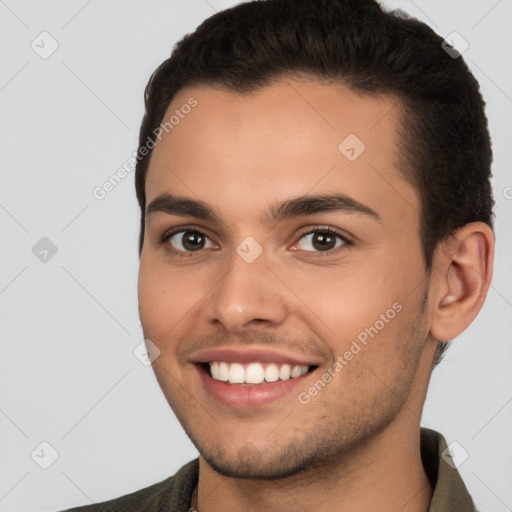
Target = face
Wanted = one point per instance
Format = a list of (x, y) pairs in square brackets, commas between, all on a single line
[(281, 275)]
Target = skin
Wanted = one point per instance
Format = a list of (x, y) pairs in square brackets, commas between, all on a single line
[(358, 438)]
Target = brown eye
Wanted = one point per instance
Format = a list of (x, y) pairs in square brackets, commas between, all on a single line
[(189, 241), (321, 241)]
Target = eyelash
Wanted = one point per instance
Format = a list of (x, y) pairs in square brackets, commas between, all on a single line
[(316, 229)]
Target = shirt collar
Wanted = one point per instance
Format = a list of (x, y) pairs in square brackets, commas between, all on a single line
[(449, 491)]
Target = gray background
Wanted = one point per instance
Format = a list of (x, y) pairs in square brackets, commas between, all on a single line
[(70, 323)]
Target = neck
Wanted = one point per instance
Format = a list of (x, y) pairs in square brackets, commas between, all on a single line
[(385, 474)]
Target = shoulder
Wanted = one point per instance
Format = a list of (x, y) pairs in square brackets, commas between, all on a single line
[(173, 493)]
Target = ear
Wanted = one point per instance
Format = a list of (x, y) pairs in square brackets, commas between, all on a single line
[(462, 273)]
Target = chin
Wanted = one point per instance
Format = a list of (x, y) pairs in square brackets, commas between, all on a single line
[(251, 464)]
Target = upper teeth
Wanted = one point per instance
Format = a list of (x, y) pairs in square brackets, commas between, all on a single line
[(254, 373)]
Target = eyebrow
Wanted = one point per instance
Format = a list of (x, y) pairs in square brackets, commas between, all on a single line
[(296, 207)]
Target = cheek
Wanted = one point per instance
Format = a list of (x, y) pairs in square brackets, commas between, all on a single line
[(159, 304), (347, 300), (169, 297), (363, 311), (163, 308)]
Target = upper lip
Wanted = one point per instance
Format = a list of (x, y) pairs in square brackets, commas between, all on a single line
[(252, 354)]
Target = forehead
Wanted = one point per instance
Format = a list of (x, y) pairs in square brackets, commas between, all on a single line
[(291, 138)]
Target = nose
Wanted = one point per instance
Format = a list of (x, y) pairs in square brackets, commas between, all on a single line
[(248, 294)]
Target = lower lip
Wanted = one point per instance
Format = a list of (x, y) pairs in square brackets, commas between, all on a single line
[(247, 396)]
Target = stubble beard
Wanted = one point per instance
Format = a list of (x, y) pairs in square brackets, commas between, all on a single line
[(335, 434)]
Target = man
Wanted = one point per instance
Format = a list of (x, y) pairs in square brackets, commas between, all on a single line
[(316, 227)]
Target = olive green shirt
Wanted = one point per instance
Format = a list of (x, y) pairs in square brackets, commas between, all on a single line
[(174, 493)]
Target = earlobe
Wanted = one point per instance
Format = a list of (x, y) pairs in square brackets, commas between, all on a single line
[(463, 271)]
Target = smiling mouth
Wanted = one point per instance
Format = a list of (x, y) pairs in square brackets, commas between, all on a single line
[(253, 373)]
